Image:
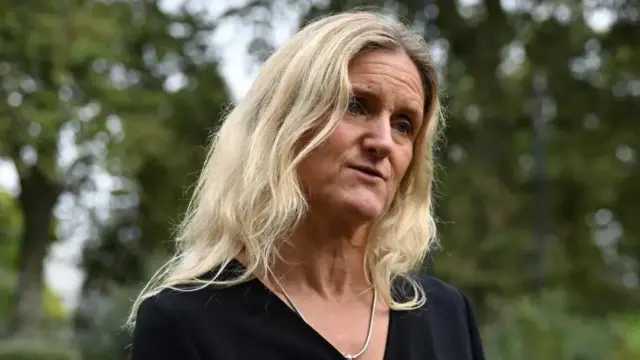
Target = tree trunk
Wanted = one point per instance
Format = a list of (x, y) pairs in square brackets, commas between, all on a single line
[(37, 198)]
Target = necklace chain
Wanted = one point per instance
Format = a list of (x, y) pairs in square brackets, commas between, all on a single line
[(371, 317)]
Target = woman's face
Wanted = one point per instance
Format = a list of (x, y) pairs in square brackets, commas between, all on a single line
[(356, 172)]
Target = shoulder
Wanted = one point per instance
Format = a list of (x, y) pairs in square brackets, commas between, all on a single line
[(445, 299), (179, 323), (443, 293), (173, 303), (164, 327), (169, 310), (451, 317), (436, 286), (184, 301), (188, 303), (435, 290)]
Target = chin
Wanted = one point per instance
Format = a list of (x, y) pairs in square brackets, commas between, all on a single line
[(351, 206), (365, 209)]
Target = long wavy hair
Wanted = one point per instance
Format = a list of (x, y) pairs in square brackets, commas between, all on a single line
[(248, 197)]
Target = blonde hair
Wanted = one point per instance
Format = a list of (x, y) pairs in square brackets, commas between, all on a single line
[(248, 197)]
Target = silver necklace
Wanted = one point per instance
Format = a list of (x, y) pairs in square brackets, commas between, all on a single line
[(371, 318)]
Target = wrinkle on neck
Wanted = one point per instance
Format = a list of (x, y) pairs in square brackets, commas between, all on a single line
[(326, 257)]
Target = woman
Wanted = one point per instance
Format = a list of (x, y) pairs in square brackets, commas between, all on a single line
[(313, 213)]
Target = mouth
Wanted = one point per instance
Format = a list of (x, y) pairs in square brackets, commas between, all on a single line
[(369, 171)]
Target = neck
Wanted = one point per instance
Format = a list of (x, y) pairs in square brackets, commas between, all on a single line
[(326, 259)]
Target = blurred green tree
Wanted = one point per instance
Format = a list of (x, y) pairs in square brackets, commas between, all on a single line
[(10, 228), (122, 94), (543, 327), (100, 93), (43, 55), (156, 180), (10, 224), (539, 174)]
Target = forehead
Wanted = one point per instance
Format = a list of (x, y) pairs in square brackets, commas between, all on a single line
[(388, 71)]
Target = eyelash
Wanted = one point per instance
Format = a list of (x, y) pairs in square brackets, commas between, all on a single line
[(407, 122), (360, 110), (355, 101)]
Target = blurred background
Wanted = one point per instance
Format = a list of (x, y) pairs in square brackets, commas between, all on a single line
[(106, 107)]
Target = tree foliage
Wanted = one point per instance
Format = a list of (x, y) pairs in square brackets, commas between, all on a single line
[(95, 92), (536, 189), (538, 168), (542, 327)]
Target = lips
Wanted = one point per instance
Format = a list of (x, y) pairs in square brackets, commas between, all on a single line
[(369, 170)]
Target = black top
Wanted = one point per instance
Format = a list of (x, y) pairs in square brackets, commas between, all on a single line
[(248, 321)]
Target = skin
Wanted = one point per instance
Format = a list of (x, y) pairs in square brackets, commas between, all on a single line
[(323, 267)]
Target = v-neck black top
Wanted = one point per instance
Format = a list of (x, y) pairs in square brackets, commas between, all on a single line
[(248, 321)]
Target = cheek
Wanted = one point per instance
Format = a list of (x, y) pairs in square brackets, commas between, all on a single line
[(306, 169), (315, 168), (311, 167), (405, 162), (328, 155), (402, 165)]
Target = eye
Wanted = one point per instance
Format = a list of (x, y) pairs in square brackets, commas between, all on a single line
[(355, 107), (404, 126)]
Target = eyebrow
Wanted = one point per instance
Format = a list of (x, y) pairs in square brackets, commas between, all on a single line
[(357, 90)]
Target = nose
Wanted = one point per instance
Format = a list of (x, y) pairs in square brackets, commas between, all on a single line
[(379, 140)]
